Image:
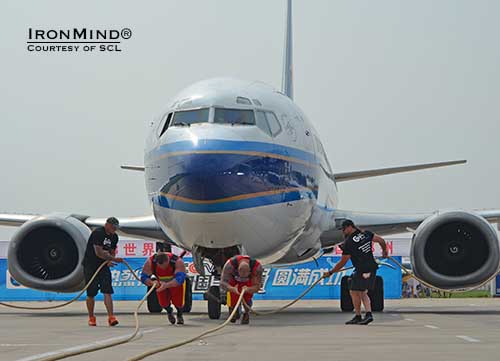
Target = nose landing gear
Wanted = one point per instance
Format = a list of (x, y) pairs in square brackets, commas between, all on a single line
[(217, 257)]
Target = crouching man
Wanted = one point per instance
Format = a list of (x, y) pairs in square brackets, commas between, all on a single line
[(170, 271), (241, 272)]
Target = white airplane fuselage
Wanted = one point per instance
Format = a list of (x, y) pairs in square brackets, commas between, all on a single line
[(217, 185)]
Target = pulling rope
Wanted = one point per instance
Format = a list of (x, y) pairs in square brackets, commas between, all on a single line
[(74, 299), (128, 338), (409, 273), (225, 323), (291, 303), (102, 345), (67, 302), (189, 340)]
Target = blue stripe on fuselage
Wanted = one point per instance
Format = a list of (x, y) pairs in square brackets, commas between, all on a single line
[(208, 177), (201, 176), (233, 205)]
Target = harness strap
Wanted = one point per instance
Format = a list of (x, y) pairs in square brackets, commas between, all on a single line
[(235, 262), (172, 259)]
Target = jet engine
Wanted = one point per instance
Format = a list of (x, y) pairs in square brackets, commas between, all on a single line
[(46, 253), (455, 250)]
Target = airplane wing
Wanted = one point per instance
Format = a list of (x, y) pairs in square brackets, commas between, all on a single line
[(138, 168), (349, 176), (143, 227), (385, 223)]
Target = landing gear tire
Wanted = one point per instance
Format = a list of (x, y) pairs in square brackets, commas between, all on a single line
[(345, 297), (377, 295), (188, 296), (153, 304), (214, 307)]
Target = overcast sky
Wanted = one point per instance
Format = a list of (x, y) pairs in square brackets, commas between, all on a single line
[(385, 82)]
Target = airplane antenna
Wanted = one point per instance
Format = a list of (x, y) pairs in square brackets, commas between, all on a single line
[(287, 81)]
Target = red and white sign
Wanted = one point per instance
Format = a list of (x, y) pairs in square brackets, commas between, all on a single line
[(138, 248)]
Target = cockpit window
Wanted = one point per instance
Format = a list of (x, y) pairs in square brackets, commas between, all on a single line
[(234, 116), (243, 100), (274, 123), (165, 123), (188, 117), (262, 123)]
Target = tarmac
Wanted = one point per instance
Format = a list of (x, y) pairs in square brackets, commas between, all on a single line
[(415, 329)]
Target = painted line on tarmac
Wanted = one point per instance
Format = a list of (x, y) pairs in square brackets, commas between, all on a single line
[(432, 327), (409, 319), (84, 346), (152, 330), (468, 339)]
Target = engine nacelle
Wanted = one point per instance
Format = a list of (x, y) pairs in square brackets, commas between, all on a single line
[(46, 253), (455, 250)]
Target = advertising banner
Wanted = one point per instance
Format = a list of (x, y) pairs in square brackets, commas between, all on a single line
[(280, 283)]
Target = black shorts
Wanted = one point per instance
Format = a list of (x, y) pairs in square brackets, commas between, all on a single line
[(363, 281), (101, 282)]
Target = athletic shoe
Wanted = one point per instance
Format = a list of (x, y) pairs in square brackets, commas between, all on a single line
[(368, 318), (92, 321), (112, 321), (171, 318), (355, 320), (236, 316), (180, 319), (246, 319)]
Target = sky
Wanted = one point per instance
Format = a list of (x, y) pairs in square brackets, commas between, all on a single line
[(386, 83)]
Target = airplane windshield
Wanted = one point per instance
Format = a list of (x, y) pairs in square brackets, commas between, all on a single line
[(188, 117), (234, 116)]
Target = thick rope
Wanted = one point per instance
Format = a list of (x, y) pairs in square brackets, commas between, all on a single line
[(74, 299), (291, 303), (64, 303), (215, 329), (98, 345), (103, 345), (189, 340), (410, 273), (128, 338)]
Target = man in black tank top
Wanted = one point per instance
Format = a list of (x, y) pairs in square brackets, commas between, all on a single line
[(358, 248)]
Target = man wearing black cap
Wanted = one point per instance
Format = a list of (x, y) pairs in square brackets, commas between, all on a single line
[(358, 248), (101, 247)]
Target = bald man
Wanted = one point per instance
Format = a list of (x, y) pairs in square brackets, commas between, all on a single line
[(241, 272)]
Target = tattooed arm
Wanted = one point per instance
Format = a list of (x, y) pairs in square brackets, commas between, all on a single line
[(227, 276), (256, 280)]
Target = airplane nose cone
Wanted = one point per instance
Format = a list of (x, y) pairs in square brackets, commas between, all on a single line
[(218, 176)]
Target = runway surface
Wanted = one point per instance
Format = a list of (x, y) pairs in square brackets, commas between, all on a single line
[(427, 329)]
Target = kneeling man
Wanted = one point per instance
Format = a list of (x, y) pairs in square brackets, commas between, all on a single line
[(241, 272)]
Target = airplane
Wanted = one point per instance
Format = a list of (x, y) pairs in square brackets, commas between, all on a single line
[(235, 167)]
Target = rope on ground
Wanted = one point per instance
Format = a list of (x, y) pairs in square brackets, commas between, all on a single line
[(61, 304), (215, 329), (181, 343), (98, 345), (74, 298), (410, 273), (291, 303), (102, 345)]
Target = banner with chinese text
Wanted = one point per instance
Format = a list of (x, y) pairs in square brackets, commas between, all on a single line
[(280, 283)]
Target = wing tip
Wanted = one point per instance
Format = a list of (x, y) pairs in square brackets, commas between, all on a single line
[(137, 168)]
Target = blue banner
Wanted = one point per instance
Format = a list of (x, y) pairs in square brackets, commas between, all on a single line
[(280, 283), (497, 285)]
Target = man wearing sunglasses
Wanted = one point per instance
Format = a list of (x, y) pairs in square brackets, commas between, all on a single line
[(357, 247)]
